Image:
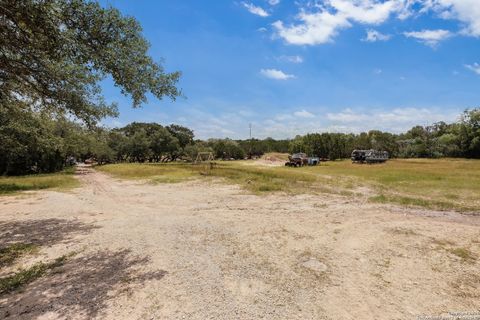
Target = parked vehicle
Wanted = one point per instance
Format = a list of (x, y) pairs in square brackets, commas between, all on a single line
[(369, 156), (300, 160)]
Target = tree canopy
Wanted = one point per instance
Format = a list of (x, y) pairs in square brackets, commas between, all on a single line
[(53, 53)]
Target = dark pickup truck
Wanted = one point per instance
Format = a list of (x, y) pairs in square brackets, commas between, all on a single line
[(300, 160)]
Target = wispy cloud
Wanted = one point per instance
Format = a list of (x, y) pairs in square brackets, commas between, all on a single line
[(347, 116), (303, 114), (276, 74), (397, 120), (374, 36), (473, 67), (349, 120), (292, 59), (255, 9), (234, 122), (429, 37)]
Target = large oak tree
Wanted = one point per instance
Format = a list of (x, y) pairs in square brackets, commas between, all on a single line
[(54, 53)]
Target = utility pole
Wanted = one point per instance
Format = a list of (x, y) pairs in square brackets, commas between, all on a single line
[(251, 141)]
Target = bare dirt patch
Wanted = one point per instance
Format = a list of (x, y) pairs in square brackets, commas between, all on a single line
[(272, 159), (200, 250)]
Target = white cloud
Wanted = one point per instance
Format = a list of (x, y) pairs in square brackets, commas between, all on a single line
[(283, 117), (366, 11), (276, 74), (246, 113), (473, 67), (292, 59), (317, 28), (466, 11), (374, 35), (255, 10), (273, 2), (322, 26), (215, 124), (354, 121), (117, 123), (234, 122), (396, 120), (377, 71), (347, 116), (319, 22), (292, 116), (303, 114), (262, 29), (429, 37)]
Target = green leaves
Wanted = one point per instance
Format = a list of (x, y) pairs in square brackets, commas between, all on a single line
[(54, 53)]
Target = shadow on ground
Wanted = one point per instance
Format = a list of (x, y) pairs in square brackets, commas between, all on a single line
[(80, 289), (43, 232)]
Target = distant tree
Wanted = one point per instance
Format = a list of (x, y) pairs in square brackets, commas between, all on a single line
[(138, 147), (226, 149), (162, 143), (118, 142), (469, 133), (297, 145), (183, 134), (192, 150), (362, 142), (383, 141)]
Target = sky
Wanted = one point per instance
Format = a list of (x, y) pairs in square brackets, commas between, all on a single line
[(293, 67)]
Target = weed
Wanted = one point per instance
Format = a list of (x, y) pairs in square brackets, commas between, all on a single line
[(404, 231), (463, 253), (25, 276), (9, 254)]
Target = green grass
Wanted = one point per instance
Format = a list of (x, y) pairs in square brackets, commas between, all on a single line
[(25, 276), (264, 179), (443, 184), (156, 173), (9, 254), (252, 178), (463, 253), (60, 181), (420, 202)]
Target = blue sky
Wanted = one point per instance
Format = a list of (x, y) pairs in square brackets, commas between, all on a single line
[(292, 67)]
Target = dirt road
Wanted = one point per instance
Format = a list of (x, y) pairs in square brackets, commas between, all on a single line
[(201, 250)]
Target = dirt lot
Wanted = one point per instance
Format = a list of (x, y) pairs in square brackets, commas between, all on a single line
[(199, 250)]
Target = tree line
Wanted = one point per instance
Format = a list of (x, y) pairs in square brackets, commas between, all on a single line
[(33, 142), (459, 139)]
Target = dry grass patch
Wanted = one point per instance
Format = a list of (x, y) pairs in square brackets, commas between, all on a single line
[(255, 179), (440, 184), (64, 180), (154, 172)]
